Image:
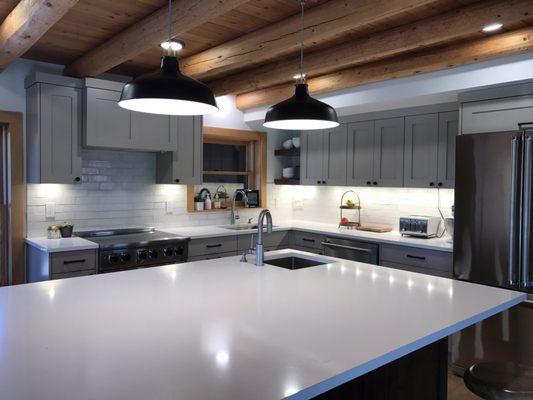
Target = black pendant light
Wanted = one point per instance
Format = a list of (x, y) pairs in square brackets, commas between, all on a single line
[(167, 91), (301, 111)]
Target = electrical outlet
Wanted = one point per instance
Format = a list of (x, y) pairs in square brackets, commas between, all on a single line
[(297, 204), (50, 210), (169, 206)]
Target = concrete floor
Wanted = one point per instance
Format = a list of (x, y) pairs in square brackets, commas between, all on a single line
[(457, 389)]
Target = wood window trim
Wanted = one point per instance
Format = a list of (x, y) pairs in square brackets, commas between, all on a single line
[(18, 198), (256, 159)]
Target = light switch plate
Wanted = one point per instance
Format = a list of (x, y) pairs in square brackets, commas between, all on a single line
[(169, 206), (50, 210)]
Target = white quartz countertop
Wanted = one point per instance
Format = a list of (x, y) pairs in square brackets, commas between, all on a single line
[(394, 237), (63, 244), (222, 329)]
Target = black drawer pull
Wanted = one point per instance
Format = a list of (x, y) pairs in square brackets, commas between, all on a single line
[(74, 261), (308, 240), (416, 257), (210, 246)]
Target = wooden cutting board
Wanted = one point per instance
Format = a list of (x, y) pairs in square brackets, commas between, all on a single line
[(376, 229)]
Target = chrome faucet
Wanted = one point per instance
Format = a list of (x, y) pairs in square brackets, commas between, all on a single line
[(259, 250), (232, 214)]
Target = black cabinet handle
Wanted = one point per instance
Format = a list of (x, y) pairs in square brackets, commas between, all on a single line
[(318, 182), (416, 257), (323, 182), (308, 240), (431, 183), (210, 246), (375, 183), (77, 179), (177, 180), (439, 184), (74, 261), (368, 182)]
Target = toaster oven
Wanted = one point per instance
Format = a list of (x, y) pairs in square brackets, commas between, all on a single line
[(420, 226)]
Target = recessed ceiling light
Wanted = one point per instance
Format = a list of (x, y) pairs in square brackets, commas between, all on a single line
[(298, 76), (492, 27), (172, 45)]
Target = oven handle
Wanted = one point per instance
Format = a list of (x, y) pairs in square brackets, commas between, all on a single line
[(82, 260), (341, 246)]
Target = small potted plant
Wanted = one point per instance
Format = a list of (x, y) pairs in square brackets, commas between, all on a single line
[(198, 203), (66, 229)]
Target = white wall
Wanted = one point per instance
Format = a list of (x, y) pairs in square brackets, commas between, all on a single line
[(228, 116)]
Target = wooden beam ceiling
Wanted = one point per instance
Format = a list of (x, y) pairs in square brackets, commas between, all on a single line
[(448, 27), (322, 23), (501, 45), (25, 25), (147, 33)]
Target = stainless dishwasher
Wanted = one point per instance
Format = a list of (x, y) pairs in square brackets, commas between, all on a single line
[(353, 250)]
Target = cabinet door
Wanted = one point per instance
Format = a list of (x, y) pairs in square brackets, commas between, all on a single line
[(448, 130), (388, 152), (312, 158), (335, 141), (60, 134), (421, 143), (360, 153), (151, 132), (106, 124), (187, 160)]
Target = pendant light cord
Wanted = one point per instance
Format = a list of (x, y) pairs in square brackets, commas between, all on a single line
[(169, 51), (302, 76)]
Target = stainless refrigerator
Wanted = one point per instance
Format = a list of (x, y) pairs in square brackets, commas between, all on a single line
[(493, 240)]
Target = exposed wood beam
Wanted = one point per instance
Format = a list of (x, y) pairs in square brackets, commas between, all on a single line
[(148, 33), (282, 38), (26, 24), (519, 41), (448, 27)]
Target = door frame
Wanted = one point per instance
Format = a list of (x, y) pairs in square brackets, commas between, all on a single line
[(18, 198)]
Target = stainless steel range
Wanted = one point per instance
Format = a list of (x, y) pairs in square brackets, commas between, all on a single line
[(123, 249)]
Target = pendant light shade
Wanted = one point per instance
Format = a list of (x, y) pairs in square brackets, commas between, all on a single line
[(301, 112), (168, 92)]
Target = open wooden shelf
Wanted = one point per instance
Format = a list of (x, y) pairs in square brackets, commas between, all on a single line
[(286, 181), (287, 152)]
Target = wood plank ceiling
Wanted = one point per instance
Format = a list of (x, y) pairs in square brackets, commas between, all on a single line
[(250, 47)]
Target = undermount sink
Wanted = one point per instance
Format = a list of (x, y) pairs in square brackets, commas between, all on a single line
[(294, 262), (241, 227)]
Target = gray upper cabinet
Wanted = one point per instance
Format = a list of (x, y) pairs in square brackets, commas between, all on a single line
[(109, 126), (106, 124), (388, 152), (421, 150), (312, 158), (334, 164), (503, 114), (184, 164), (448, 130), (360, 153), (53, 115)]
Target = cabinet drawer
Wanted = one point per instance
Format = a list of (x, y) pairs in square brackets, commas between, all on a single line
[(306, 239), (73, 274), (428, 271), (308, 249), (72, 261), (415, 257), (212, 256), (198, 247), (274, 240)]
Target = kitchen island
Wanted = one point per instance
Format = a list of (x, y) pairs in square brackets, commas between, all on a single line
[(222, 329)]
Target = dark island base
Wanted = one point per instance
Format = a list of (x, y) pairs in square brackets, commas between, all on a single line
[(421, 375)]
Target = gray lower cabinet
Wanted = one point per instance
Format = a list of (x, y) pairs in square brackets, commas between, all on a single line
[(67, 264), (430, 262), (323, 157), (448, 131), (53, 131), (109, 126), (301, 240), (184, 164), (271, 241), (226, 245)]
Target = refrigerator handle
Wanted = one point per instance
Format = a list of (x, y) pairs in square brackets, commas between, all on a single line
[(515, 217), (526, 212)]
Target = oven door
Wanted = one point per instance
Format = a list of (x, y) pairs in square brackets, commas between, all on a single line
[(352, 250)]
